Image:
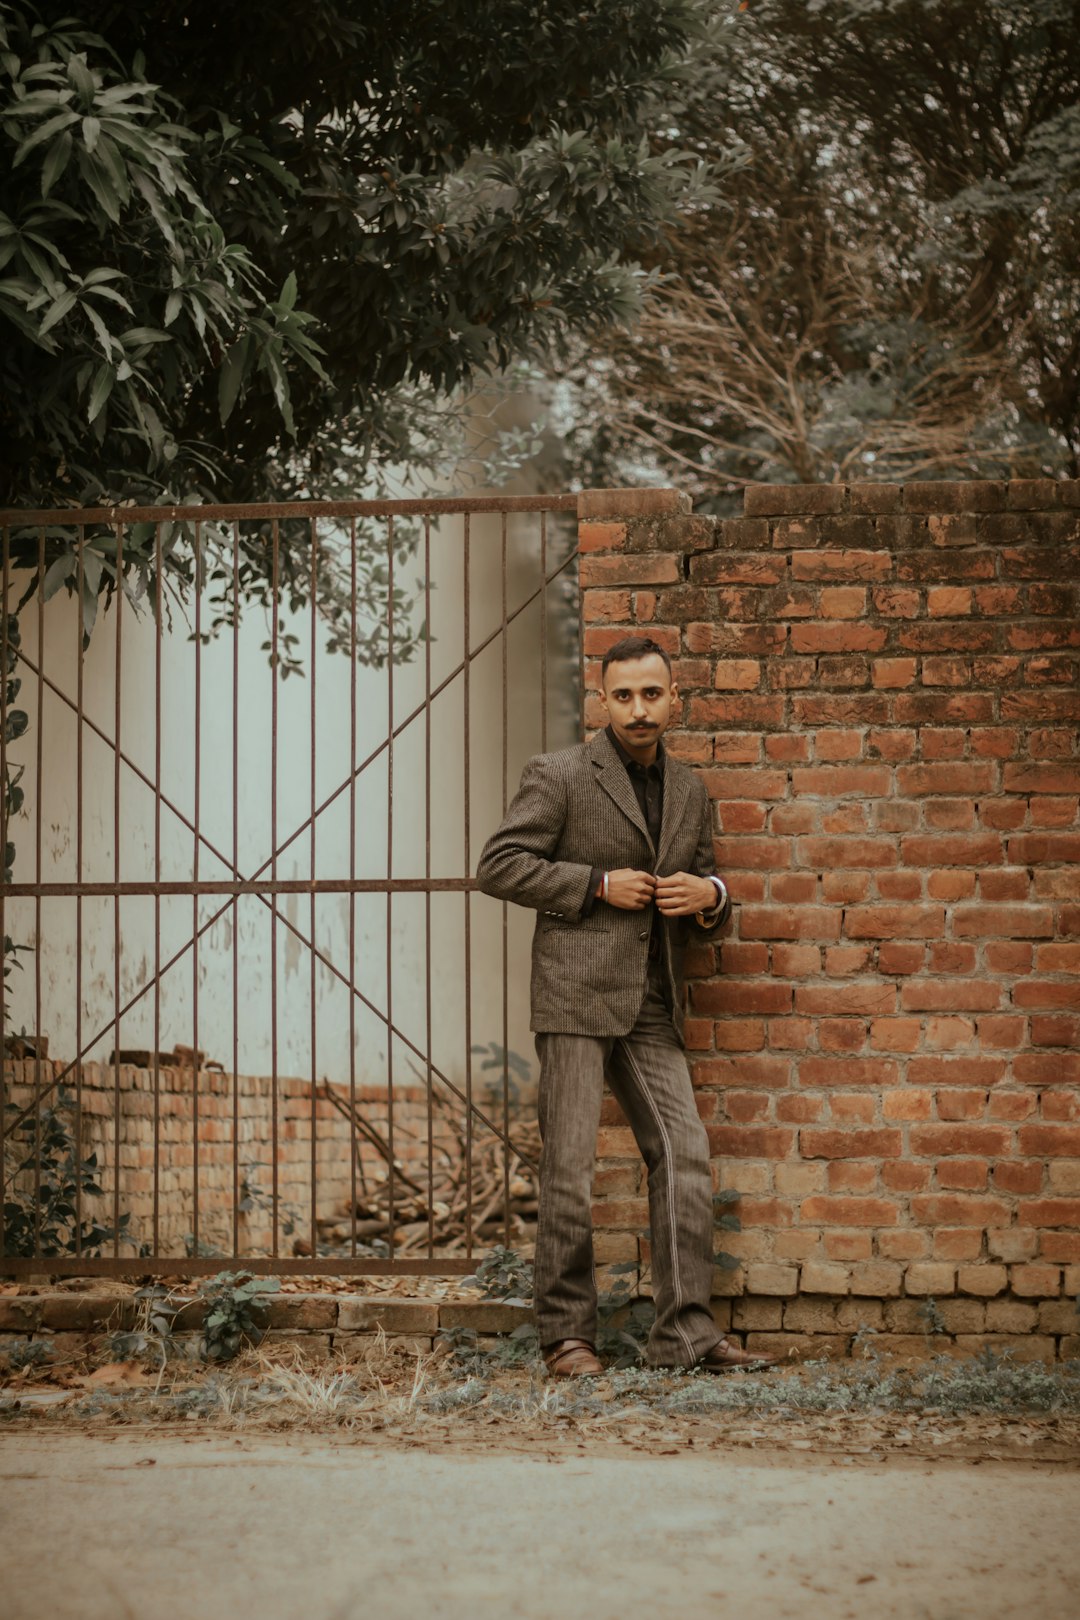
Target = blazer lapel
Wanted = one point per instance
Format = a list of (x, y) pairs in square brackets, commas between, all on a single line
[(676, 790), (612, 777)]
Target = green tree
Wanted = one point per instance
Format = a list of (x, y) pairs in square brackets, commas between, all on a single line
[(892, 289), (251, 253)]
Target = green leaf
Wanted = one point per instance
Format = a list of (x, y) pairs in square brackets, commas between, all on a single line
[(56, 161), (104, 379), (231, 376), (64, 568), (43, 133), (62, 307), (91, 132)]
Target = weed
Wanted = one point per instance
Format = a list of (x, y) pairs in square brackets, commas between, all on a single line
[(42, 1145), (236, 1310), (503, 1274), (931, 1316)]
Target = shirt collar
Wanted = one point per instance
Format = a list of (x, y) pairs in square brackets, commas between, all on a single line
[(628, 761)]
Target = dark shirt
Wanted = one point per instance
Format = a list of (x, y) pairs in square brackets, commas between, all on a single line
[(647, 782)]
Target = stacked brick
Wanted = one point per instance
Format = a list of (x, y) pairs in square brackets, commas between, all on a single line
[(879, 686)]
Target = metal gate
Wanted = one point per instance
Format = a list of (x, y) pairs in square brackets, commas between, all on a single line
[(278, 885)]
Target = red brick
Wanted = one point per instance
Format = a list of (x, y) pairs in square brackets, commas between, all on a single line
[(605, 605), (956, 1209), (737, 747), (893, 672), (1019, 776), (843, 602), (949, 956), (793, 888), (824, 854), (907, 1104), (854, 1144), (833, 781), (739, 1035), (852, 1107), (853, 1176), (847, 1071), (758, 709), (837, 745), (948, 600), (901, 1176), (1055, 1031), (740, 996), (1011, 1105), (1004, 1031), (981, 849), (1023, 1179), (868, 565), (1052, 1212), (845, 888), (750, 1141), (787, 748), (895, 1035), (601, 536), (904, 886), (598, 638), (955, 1071), (657, 568), (843, 960), (790, 922), (900, 958), (953, 1105), (799, 1109), (993, 1141), (1019, 921), (760, 854), (841, 1034), (741, 674), (739, 816), (946, 1033), (1009, 956), (791, 1034), (951, 885), (769, 500), (850, 1211), (1050, 1141), (895, 601), (746, 1069), (973, 776), (744, 1107), (837, 637), (797, 961), (962, 1175), (945, 671), (949, 995), (751, 784), (1011, 883), (866, 996), (792, 818), (1046, 993), (892, 921)]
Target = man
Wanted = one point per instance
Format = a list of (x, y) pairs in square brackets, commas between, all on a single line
[(610, 843)]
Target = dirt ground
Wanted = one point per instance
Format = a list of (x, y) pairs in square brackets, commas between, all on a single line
[(130, 1524)]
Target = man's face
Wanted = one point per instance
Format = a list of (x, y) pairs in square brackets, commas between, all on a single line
[(638, 694)]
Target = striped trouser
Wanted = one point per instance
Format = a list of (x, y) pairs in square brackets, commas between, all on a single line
[(648, 1076)]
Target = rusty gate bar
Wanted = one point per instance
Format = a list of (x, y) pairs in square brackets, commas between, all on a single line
[(214, 1191)]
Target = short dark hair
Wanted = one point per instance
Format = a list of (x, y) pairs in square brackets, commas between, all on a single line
[(633, 647)]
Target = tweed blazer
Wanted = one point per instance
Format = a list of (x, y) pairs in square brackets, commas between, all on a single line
[(576, 809)]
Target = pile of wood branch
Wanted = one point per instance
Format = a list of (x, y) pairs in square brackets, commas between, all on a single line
[(476, 1187)]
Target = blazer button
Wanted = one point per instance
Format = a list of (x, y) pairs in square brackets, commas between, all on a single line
[(645, 935)]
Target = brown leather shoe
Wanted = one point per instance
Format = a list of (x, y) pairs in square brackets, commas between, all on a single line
[(572, 1358), (724, 1355)]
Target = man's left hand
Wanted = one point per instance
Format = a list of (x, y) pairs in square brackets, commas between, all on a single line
[(681, 894)]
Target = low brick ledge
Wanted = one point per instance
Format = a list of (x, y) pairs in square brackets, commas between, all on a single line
[(817, 1324)]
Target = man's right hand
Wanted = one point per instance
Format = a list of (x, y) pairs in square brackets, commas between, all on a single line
[(630, 890)]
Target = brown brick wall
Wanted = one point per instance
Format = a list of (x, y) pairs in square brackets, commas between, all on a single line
[(175, 1153), (879, 685)]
